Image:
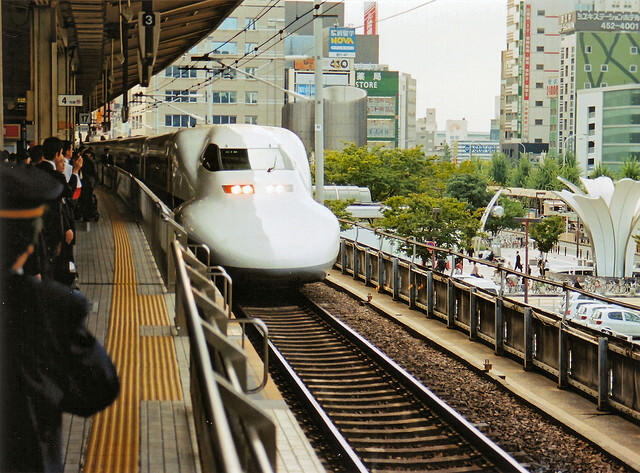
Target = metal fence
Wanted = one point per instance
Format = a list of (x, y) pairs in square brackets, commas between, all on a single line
[(604, 368), (233, 433)]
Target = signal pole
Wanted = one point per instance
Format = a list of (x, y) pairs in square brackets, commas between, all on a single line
[(319, 104)]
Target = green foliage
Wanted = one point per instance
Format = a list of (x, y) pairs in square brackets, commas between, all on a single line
[(446, 153), (470, 188), (512, 208), (545, 177), (630, 168), (339, 208), (547, 232), (444, 220), (386, 172), (570, 169), (499, 169), (519, 174), (601, 170)]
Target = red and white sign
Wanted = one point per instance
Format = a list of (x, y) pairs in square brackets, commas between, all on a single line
[(371, 18), (526, 72)]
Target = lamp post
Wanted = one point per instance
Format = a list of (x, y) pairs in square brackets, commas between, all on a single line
[(524, 150), (526, 221)]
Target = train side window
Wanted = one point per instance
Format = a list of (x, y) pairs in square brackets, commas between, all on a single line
[(234, 159), (211, 158)]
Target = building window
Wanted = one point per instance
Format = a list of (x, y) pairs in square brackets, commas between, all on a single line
[(180, 96), (250, 70), (604, 67), (229, 23), (539, 67), (633, 49), (538, 121), (251, 119), (538, 140), (250, 24), (251, 97), (539, 85), (176, 71), (604, 84), (540, 31), (225, 97), (223, 119), (540, 49), (587, 68), (633, 68), (541, 13), (587, 85), (587, 49), (250, 47), (179, 121), (223, 47), (539, 103)]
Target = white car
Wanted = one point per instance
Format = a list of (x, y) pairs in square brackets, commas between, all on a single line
[(575, 306), (482, 283), (573, 298), (584, 312), (616, 320)]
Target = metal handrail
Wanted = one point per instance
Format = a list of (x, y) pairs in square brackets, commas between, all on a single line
[(265, 349), (228, 455)]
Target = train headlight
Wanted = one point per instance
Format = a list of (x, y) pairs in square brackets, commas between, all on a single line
[(238, 189), (279, 188)]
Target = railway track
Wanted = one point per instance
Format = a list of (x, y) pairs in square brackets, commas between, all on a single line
[(379, 416)]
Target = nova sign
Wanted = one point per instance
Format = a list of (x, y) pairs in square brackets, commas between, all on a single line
[(342, 42)]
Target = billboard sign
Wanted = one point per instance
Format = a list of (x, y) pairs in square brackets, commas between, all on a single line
[(370, 18), (342, 42), (526, 73), (600, 21)]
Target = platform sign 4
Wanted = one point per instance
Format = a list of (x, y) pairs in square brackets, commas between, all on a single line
[(69, 100)]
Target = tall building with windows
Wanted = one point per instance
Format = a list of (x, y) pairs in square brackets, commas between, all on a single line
[(530, 66), (598, 49), (197, 89)]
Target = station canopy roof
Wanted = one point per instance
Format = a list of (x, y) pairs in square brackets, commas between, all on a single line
[(94, 27)]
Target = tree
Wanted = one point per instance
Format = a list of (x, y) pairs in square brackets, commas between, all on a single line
[(386, 172), (512, 208), (339, 208), (630, 169), (499, 169), (423, 217), (601, 170), (518, 176), (570, 169), (470, 188), (545, 177), (547, 232), (446, 153)]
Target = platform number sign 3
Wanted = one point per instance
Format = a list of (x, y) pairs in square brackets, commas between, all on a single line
[(148, 19)]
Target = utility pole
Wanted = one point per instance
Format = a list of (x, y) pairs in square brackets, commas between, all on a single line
[(319, 106)]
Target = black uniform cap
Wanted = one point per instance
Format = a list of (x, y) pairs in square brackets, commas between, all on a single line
[(24, 192)]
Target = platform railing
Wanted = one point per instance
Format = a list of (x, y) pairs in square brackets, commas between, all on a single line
[(233, 433), (603, 367)]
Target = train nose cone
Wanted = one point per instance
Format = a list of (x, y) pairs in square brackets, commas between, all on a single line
[(266, 234)]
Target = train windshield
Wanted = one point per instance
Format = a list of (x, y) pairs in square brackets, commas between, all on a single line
[(231, 159)]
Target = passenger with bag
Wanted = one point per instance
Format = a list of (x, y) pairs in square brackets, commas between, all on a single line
[(50, 363)]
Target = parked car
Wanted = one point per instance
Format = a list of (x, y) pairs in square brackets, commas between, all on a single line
[(616, 320), (575, 306), (584, 312), (575, 297), (482, 283)]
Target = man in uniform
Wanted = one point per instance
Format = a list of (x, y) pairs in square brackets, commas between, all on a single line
[(49, 362)]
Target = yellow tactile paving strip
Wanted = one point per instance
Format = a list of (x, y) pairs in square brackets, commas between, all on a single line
[(147, 368), (160, 370)]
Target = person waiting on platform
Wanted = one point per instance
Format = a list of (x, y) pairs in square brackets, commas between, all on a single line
[(50, 363), (475, 272)]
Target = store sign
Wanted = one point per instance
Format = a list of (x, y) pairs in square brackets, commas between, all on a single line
[(526, 73), (371, 18), (342, 42), (599, 21), (552, 88)]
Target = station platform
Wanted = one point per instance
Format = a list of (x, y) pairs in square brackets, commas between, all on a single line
[(150, 427), (616, 435)]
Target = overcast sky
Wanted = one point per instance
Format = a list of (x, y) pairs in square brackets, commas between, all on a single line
[(452, 49)]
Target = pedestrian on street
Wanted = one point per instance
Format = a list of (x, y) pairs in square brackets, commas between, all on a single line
[(518, 265)]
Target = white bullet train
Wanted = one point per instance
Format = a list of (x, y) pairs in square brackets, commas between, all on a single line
[(244, 191)]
